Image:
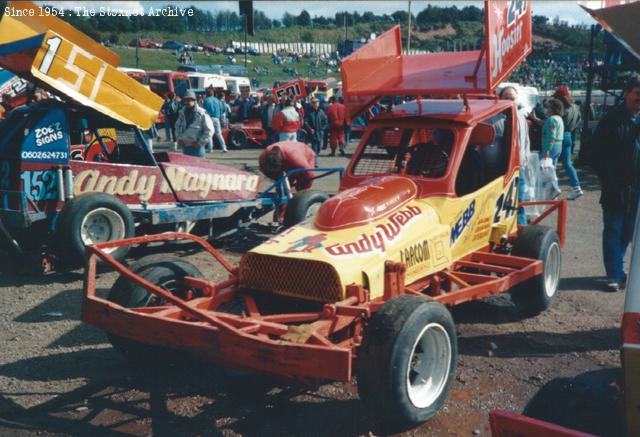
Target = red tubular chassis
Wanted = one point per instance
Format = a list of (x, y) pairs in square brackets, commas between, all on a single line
[(319, 344)]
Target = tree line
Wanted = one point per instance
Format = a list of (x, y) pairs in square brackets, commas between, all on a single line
[(228, 20)]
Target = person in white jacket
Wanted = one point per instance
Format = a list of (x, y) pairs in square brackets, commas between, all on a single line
[(194, 127), (510, 93)]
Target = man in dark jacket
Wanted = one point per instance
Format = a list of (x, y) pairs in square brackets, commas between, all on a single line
[(269, 110), (615, 155), (315, 123)]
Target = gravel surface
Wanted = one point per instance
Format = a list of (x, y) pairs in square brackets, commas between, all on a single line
[(61, 377)]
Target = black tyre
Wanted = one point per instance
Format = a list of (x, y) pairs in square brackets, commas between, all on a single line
[(536, 294), (237, 139), (165, 271), (92, 218), (587, 403), (303, 205), (407, 362)]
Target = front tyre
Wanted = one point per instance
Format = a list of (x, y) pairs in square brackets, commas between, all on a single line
[(237, 139), (164, 271), (89, 219), (536, 294), (302, 206), (407, 361)]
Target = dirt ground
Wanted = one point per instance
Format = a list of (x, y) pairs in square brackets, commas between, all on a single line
[(61, 377)]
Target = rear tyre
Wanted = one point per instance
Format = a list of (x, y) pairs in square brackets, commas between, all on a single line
[(536, 294), (303, 205), (92, 218), (587, 403), (407, 361), (237, 139), (163, 270)]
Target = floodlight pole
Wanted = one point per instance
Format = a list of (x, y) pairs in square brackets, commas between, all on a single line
[(245, 40), (344, 19), (138, 51), (409, 29)]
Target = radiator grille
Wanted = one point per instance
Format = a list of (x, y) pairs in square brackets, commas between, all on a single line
[(311, 280)]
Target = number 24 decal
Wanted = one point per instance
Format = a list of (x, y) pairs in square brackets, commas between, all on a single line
[(507, 203)]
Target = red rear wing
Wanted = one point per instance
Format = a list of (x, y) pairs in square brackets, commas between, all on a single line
[(379, 68)]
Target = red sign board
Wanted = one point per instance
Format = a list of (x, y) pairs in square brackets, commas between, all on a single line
[(295, 88), (507, 37)]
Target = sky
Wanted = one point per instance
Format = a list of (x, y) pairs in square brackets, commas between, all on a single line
[(567, 10)]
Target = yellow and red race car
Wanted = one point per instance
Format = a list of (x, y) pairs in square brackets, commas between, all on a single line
[(425, 219)]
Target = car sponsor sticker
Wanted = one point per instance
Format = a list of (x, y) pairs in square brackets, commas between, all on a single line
[(463, 221), (385, 234), (415, 254), (47, 141), (182, 179)]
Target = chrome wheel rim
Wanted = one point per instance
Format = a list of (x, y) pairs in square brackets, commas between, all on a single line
[(427, 374), (101, 225), (552, 270)]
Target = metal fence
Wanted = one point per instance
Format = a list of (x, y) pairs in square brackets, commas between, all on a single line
[(297, 47)]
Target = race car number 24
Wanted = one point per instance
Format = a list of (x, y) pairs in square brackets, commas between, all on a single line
[(507, 203)]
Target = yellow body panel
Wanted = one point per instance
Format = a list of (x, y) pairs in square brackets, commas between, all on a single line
[(77, 67), (427, 235)]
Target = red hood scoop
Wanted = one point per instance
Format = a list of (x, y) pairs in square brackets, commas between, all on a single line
[(365, 203)]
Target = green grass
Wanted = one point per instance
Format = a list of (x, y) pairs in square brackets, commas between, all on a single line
[(323, 34), (160, 59)]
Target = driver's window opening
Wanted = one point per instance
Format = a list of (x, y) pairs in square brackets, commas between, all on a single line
[(486, 156), (423, 152), (95, 141)]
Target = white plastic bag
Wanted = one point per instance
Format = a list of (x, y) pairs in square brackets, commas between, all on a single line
[(531, 174), (548, 177)]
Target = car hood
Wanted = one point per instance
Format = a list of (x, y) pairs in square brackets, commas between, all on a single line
[(411, 234)]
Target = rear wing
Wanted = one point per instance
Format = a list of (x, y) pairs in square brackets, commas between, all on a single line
[(380, 69), (47, 51), (620, 18)]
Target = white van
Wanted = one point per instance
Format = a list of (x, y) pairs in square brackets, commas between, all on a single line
[(205, 80), (236, 84), (528, 96)]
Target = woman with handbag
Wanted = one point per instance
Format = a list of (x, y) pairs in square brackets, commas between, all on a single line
[(552, 137), (572, 120)]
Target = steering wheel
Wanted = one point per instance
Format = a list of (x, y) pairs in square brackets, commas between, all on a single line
[(437, 166), (102, 149)]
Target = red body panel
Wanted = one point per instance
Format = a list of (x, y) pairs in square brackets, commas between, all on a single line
[(443, 112), (193, 179), (506, 424), (380, 69), (167, 78), (252, 127), (365, 203), (295, 88)]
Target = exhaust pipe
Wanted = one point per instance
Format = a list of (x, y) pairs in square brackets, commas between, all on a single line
[(60, 185), (68, 183)]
